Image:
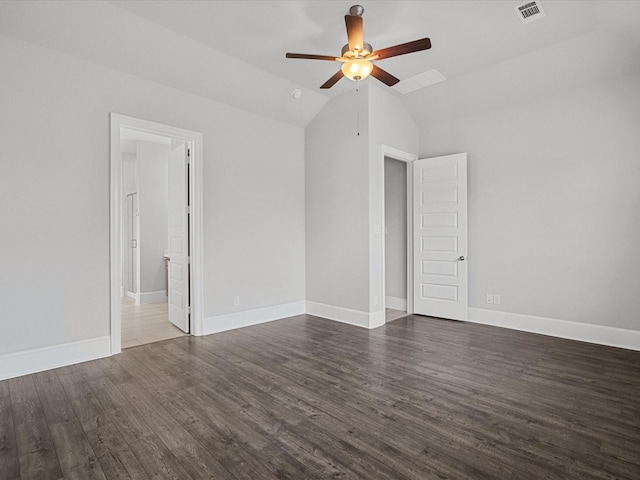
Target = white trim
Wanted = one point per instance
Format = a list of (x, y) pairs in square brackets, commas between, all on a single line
[(41, 359), (377, 319), (231, 321), (396, 303), (134, 296), (145, 298), (196, 233), (584, 332), (358, 318)]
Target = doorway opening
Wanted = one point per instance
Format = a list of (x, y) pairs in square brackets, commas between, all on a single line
[(436, 241), (396, 235), (396, 171), (156, 232)]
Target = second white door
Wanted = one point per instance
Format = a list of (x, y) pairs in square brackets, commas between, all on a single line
[(178, 238), (440, 236)]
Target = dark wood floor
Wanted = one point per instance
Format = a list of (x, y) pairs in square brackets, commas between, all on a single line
[(307, 398)]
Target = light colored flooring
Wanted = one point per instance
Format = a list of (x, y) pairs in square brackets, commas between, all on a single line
[(391, 314), (143, 324)]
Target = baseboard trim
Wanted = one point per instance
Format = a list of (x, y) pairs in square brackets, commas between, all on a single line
[(41, 359), (145, 298), (584, 332), (231, 321), (358, 318), (396, 303)]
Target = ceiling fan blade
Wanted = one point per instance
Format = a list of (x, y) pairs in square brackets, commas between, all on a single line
[(354, 32), (384, 76), (402, 49), (333, 80), (312, 57)]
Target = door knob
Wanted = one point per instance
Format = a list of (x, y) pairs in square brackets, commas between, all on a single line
[(461, 258)]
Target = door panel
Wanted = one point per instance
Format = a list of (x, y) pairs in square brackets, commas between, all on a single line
[(440, 236), (178, 240)]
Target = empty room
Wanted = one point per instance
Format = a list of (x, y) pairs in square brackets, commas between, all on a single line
[(318, 239)]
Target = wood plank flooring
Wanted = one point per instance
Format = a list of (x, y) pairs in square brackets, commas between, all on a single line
[(307, 398), (143, 324)]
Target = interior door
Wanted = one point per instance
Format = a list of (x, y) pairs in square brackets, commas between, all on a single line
[(178, 300), (440, 236)]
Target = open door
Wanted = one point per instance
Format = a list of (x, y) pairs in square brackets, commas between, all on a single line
[(440, 236), (178, 199)]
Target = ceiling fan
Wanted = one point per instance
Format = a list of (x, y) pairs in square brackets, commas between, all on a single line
[(357, 56)]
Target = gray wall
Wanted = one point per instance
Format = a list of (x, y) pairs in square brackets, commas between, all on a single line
[(554, 203), (153, 191), (395, 216), (54, 118), (344, 201), (391, 126)]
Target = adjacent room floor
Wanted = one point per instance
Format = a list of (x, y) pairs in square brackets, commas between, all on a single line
[(391, 314), (146, 323), (308, 398)]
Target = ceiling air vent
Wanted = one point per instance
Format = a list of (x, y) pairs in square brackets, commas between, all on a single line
[(530, 11), (419, 81)]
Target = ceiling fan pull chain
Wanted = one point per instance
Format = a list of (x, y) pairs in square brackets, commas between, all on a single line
[(358, 103)]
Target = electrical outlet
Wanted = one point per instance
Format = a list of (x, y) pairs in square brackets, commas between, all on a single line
[(496, 299), (489, 298), (236, 301)]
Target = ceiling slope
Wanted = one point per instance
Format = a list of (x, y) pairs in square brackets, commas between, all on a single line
[(233, 51), (102, 33)]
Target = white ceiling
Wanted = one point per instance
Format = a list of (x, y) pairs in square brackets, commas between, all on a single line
[(234, 51)]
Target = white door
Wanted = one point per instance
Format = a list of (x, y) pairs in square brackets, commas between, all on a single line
[(178, 238), (440, 236)]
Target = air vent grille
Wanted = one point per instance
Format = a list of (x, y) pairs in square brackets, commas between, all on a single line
[(530, 11), (419, 81)]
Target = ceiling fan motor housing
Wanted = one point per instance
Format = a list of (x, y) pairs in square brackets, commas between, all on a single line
[(366, 50)]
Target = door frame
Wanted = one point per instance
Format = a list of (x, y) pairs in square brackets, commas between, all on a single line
[(408, 158), (117, 122)]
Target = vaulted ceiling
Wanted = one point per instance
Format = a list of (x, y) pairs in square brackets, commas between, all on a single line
[(234, 51)]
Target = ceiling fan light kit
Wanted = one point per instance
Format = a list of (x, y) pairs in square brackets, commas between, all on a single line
[(357, 69), (358, 56)]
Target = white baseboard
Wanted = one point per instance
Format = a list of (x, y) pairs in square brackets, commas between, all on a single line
[(396, 303), (145, 298), (584, 332), (346, 315), (134, 296), (222, 323), (41, 359)]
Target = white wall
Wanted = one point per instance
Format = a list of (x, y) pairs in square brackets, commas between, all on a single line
[(554, 202), (337, 204), (395, 218), (153, 191), (54, 124)]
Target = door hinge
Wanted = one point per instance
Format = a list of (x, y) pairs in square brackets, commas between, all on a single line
[(188, 310), (189, 260)]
